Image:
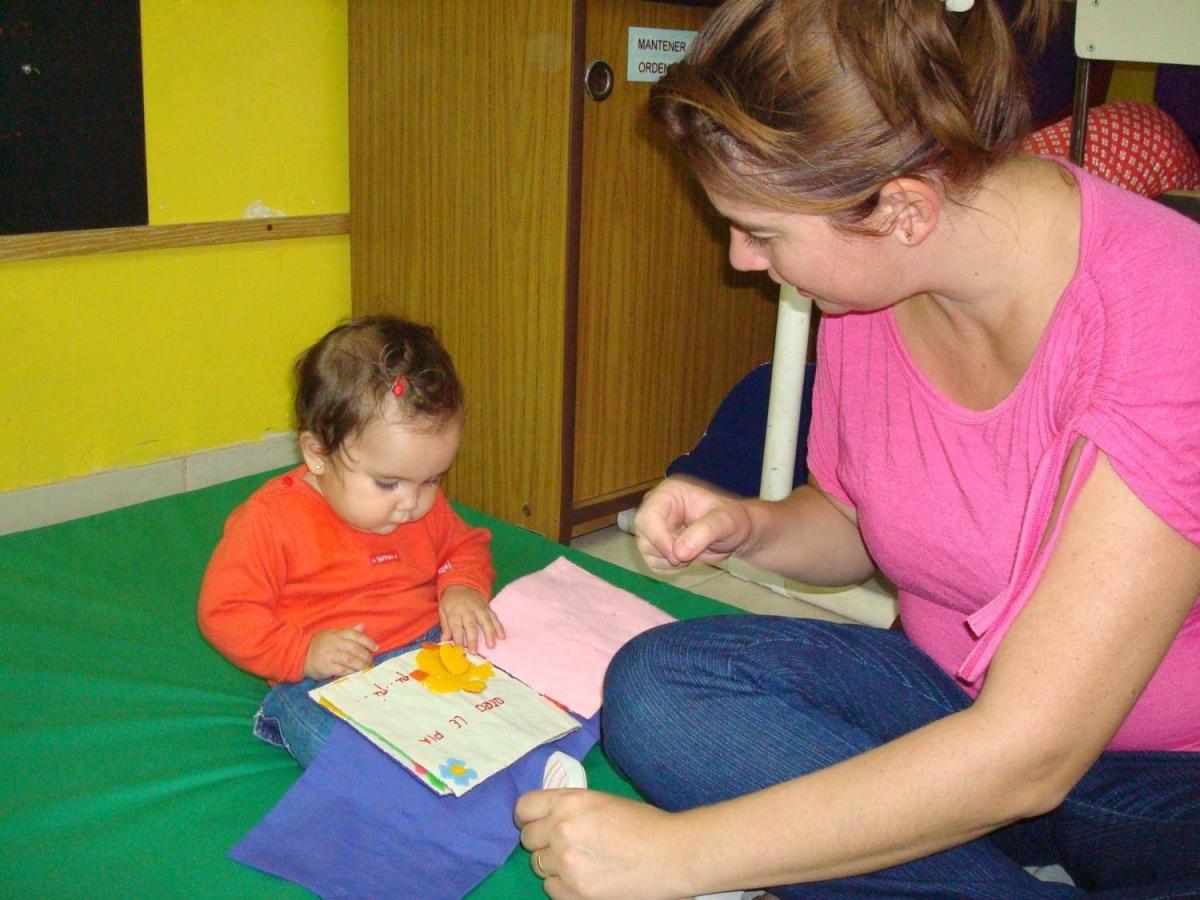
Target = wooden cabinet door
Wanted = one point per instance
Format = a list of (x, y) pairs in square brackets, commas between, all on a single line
[(664, 326), (459, 164)]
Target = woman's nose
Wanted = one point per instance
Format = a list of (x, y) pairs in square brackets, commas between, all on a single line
[(743, 255)]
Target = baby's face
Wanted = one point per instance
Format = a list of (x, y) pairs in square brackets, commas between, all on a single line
[(389, 473)]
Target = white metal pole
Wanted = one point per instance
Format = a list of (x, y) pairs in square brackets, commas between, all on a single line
[(787, 393)]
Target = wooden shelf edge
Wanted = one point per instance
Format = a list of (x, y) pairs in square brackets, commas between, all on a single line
[(161, 237), (611, 503)]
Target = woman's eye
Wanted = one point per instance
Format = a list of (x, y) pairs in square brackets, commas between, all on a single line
[(754, 240), (387, 485)]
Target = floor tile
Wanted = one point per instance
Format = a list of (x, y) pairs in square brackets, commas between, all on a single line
[(762, 600), (618, 547)]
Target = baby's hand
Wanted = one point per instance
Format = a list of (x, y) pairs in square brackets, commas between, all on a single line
[(464, 612), (334, 653)]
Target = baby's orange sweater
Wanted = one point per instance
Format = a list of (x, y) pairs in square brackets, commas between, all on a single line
[(288, 567)]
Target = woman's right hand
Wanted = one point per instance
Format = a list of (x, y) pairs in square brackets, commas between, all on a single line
[(682, 521), (589, 844)]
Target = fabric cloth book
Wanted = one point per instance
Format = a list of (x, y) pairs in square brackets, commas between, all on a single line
[(449, 717)]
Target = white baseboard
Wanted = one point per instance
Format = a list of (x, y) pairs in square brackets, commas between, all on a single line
[(76, 497)]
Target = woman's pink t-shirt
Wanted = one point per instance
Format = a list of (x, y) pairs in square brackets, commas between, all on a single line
[(952, 502)]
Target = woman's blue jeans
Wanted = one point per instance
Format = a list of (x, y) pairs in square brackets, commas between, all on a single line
[(707, 709), (291, 719)]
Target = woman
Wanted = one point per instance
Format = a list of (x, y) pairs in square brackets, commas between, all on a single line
[(1006, 422)]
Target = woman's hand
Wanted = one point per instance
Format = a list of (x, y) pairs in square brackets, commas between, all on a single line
[(682, 522), (596, 845), (334, 653), (464, 612)]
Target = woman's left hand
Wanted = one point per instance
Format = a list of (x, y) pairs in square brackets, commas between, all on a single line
[(589, 844)]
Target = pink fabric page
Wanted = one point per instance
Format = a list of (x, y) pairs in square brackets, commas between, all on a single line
[(564, 626)]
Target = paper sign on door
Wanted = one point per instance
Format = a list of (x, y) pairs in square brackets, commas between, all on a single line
[(651, 50)]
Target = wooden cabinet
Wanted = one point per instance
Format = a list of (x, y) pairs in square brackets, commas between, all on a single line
[(573, 268)]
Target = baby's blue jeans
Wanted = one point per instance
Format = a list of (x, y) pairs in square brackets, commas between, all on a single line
[(707, 709), (291, 719)]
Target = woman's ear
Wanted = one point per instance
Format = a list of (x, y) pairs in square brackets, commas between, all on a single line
[(314, 453), (909, 209)]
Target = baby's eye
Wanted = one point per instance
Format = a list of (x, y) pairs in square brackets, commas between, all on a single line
[(387, 485), (435, 480)]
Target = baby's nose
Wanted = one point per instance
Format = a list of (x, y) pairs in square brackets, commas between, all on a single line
[(406, 498)]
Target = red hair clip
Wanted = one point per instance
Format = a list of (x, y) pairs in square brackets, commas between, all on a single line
[(399, 386)]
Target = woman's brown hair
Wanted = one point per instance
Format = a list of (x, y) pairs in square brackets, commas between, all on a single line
[(812, 106)]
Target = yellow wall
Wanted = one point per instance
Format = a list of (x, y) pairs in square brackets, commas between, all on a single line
[(124, 359)]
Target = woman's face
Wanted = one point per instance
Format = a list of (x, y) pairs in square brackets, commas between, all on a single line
[(841, 272)]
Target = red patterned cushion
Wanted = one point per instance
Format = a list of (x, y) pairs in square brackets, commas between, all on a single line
[(1135, 145)]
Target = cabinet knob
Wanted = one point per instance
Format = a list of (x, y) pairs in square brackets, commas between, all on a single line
[(598, 79)]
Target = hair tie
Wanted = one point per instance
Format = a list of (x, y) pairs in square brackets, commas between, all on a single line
[(959, 6), (399, 386)]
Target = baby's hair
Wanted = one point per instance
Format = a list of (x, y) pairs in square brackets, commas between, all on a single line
[(345, 378), (812, 106)]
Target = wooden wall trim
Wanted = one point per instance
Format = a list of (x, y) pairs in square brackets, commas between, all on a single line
[(159, 237), (571, 307)]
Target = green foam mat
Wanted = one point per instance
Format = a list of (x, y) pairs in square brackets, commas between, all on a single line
[(129, 766)]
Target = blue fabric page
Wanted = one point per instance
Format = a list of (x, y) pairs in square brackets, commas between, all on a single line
[(357, 825)]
